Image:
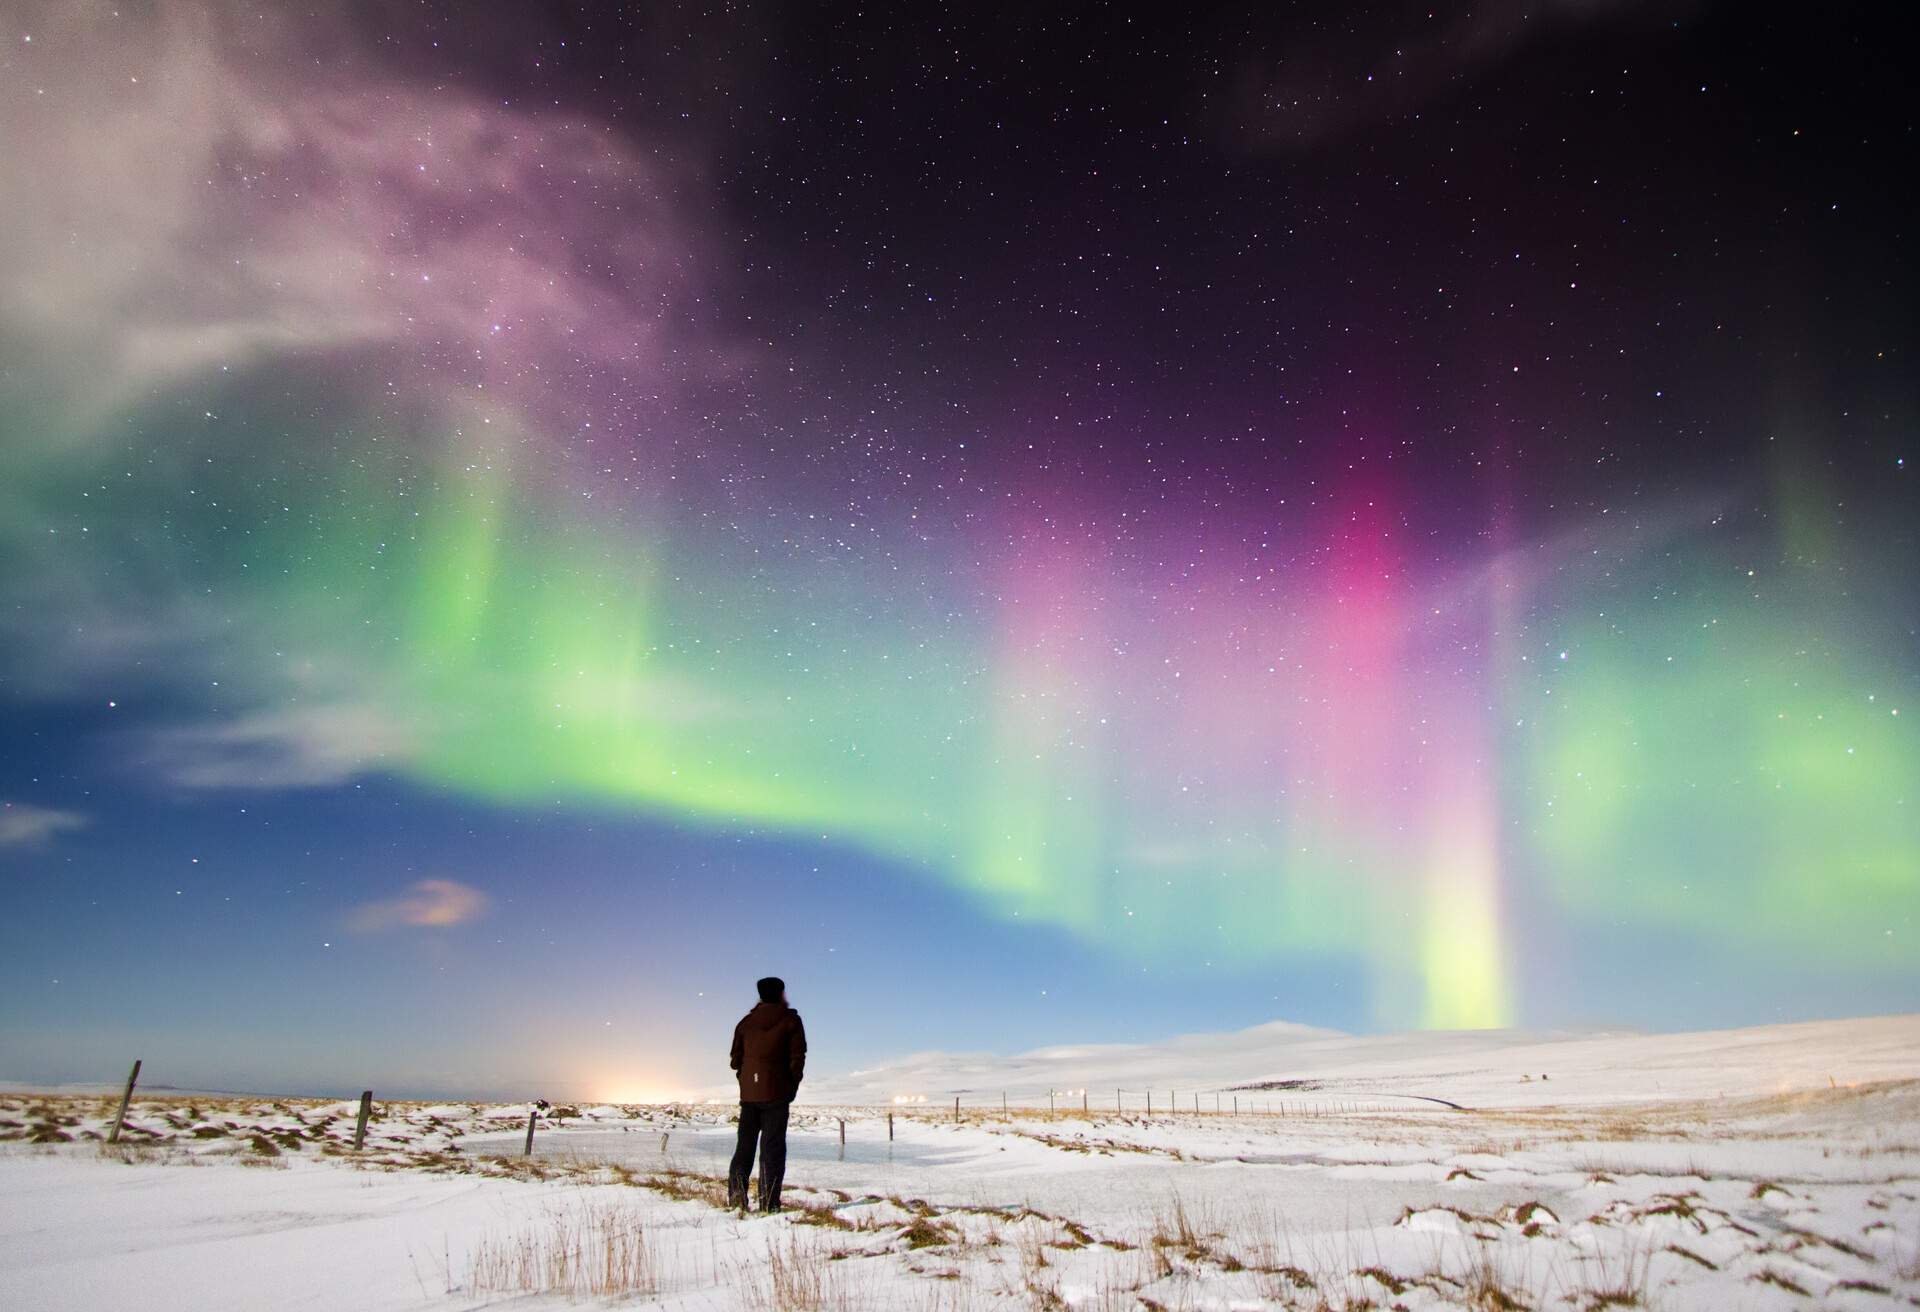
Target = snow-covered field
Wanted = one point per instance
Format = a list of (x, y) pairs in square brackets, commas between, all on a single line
[(1771, 1168)]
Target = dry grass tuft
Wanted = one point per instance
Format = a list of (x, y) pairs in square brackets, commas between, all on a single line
[(690, 1186), (1180, 1229), (1284, 1282), (923, 1233), (1382, 1277), (1781, 1281), (817, 1214), (592, 1250), (1037, 1278), (1691, 1256), (1482, 1283), (1617, 1277), (797, 1276)]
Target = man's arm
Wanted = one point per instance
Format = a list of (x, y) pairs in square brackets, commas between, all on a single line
[(737, 1048), (797, 1050)]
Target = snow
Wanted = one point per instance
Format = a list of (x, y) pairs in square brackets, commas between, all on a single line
[(1480, 1067), (1766, 1168)]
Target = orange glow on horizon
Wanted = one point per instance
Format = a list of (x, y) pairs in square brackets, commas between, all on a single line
[(635, 1091)]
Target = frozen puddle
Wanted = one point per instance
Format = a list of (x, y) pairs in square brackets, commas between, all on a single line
[(711, 1150)]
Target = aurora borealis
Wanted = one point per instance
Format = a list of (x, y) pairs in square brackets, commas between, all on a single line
[(1126, 518)]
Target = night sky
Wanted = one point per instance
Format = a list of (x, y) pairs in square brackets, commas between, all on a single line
[(1047, 526)]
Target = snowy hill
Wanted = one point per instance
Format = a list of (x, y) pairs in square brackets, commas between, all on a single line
[(1767, 1168), (1480, 1067)]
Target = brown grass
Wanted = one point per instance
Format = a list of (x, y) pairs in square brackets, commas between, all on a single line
[(687, 1186), (1780, 1281), (591, 1250), (798, 1275), (1692, 1256), (922, 1233), (1616, 1277)]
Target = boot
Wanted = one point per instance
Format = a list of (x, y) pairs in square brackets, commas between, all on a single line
[(736, 1194), (769, 1198)]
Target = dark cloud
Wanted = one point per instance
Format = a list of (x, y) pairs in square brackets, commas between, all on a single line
[(1297, 81)]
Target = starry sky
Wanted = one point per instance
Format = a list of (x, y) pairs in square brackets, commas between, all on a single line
[(1038, 524)]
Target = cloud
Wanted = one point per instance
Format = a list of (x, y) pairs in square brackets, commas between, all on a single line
[(236, 201), (299, 747), (429, 904), (1303, 82), (25, 825), (227, 199)]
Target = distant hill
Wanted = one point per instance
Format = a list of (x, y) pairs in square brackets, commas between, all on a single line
[(1475, 1067)]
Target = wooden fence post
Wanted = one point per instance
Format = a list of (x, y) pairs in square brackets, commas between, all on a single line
[(956, 1109), (889, 1127), (119, 1117), (663, 1143), (532, 1114), (360, 1122), (1149, 1102), (843, 1136), (1083, 1102)]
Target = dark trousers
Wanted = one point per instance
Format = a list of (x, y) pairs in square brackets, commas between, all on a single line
[(766, 1122)]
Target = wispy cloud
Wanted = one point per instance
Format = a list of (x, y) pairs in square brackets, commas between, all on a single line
[(24, 825), (409, 212), (298, 747), (429, 904), (1299, 82)]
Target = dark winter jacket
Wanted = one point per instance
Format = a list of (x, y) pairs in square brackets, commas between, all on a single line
[(770, 1053)]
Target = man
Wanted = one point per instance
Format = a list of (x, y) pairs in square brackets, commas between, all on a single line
[(770, 1056)]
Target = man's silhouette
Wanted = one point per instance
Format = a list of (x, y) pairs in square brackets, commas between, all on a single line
[(770, 1056)]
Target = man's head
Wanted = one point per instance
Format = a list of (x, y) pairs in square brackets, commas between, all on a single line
[(772, 989)]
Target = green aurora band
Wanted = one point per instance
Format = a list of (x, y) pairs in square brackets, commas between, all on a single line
[(1719, 755), (354, 424)]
